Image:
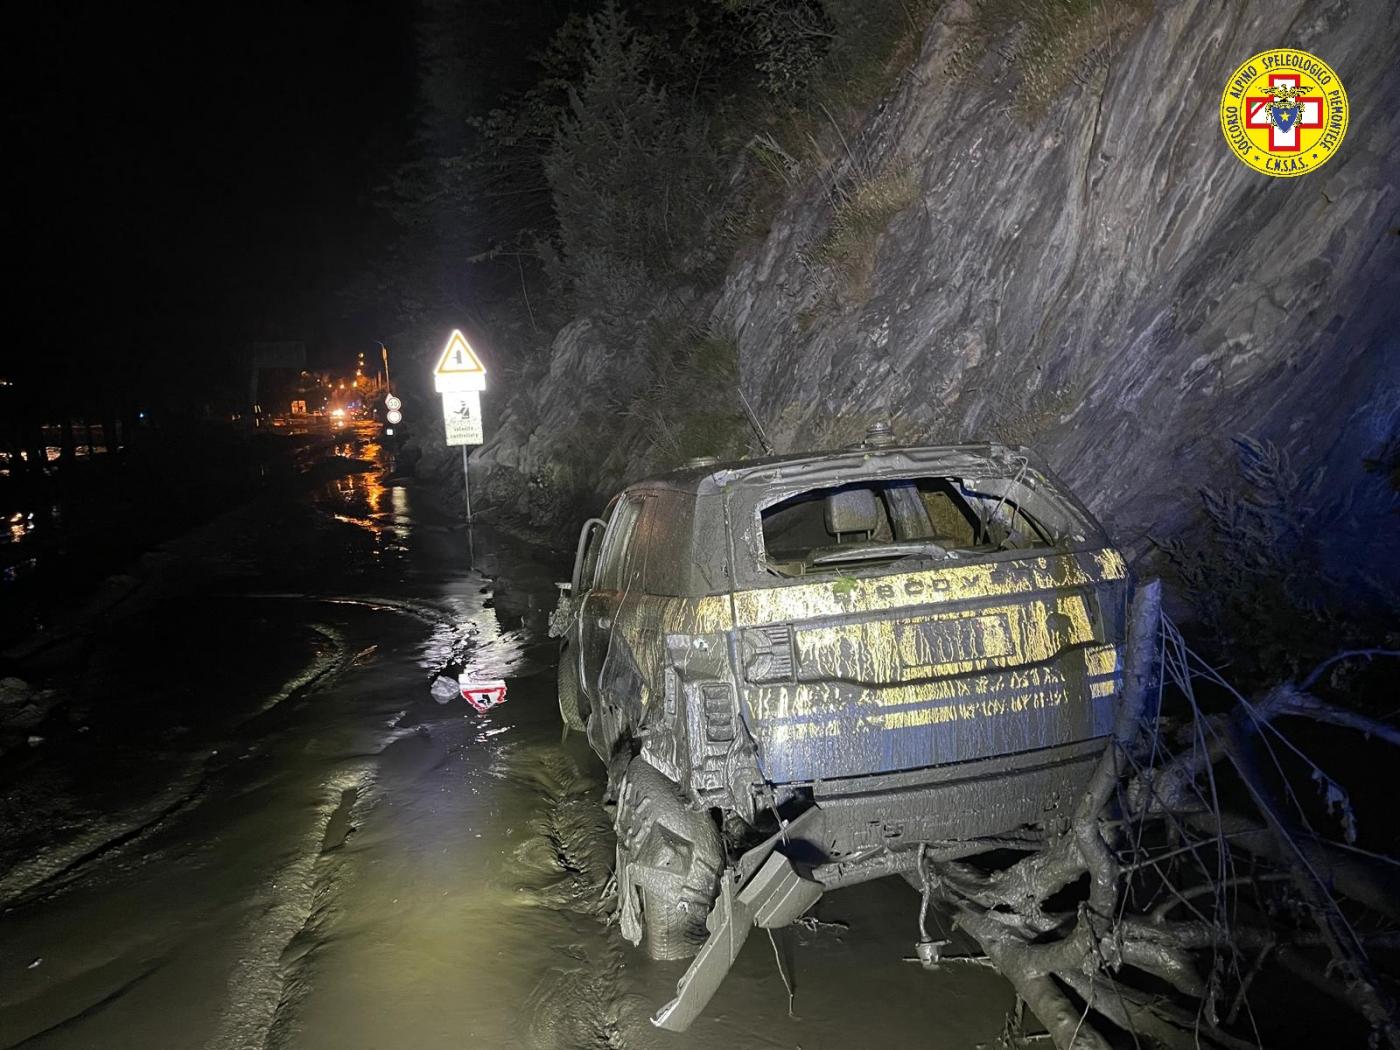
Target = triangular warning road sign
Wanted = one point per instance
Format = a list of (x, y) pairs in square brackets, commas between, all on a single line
[(459, 368)]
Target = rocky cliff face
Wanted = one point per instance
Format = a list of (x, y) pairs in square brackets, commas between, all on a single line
[(1062, 252)]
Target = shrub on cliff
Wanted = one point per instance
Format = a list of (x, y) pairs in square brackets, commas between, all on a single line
[(632, 176)]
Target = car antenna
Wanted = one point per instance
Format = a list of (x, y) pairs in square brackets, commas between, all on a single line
[(753, 422)]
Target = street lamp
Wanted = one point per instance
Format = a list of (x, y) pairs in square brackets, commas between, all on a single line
[(384, 352)]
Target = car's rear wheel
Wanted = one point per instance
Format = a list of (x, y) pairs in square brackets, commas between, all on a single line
[(669, 859), (571, 701)]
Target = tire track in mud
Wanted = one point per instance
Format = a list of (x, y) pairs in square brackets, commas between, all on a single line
[(92, 1009), (453, 627), (53, 869), (426, 612), (297, 901), (568, 863), (301, 904)]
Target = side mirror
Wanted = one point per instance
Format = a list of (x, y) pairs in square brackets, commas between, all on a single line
[(562, 618), (586, 557), (572, 592)]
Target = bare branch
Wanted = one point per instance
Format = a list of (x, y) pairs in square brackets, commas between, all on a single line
[(1290, 700), (1337, 933), (1348, 654), (1039, 991)]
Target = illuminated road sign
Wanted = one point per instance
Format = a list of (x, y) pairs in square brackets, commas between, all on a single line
[(458, 368)]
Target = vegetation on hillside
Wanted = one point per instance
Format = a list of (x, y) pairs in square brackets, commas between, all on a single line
[(654, 141)]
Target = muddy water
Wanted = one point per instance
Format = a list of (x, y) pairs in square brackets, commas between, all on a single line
[(332, 859)]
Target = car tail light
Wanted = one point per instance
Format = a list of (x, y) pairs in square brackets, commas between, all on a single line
[(767, 653), (719, 710)]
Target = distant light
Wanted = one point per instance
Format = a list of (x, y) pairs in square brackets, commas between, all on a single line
[(140, 415), (338, 412), (389, 431)]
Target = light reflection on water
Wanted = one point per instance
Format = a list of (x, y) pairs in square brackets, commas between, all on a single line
[(21, 525), (366, 502), (53, 452), (91, 444)]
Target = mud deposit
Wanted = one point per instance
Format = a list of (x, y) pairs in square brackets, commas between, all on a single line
[(279, 838)]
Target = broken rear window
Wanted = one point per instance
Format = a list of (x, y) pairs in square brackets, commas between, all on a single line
[(843, 527)]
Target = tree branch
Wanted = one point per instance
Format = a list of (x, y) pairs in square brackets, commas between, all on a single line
[(1289, 699)]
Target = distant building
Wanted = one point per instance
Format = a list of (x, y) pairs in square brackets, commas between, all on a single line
[(275, 372)]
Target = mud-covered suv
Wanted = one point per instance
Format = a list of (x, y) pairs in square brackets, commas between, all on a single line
[(805, 671)]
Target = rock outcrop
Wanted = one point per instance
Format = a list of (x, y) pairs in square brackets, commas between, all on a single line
[(1077, 262)]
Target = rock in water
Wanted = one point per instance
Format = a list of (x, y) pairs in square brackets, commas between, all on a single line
[(14, 691), (445, 689)]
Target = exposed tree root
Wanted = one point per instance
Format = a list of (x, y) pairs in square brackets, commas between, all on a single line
[(1170, 926)]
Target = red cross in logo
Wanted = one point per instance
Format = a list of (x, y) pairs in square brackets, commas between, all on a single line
[(1309, 115)]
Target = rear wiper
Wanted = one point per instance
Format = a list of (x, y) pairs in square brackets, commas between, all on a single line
[(875, 551)]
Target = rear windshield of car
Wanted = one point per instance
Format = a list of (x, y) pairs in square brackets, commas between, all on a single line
[(845, 527)]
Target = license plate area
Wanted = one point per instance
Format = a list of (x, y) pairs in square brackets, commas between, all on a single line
[(933, 643)]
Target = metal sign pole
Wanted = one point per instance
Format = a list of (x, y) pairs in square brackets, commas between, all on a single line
[(467, 484)]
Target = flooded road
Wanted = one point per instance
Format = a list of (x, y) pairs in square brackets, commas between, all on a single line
[(257, 828)]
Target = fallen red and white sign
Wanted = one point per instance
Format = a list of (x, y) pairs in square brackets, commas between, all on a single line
[(482, 693)]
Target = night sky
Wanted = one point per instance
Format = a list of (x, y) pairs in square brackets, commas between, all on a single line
[(182, 181)]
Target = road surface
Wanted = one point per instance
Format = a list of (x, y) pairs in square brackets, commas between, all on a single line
[(253, 826)]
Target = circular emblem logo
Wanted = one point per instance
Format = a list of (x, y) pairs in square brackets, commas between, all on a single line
[(1284, 112)]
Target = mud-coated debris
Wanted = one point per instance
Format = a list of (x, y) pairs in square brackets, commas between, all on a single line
[(14, 691), (22, 706), (25, 716), (444, 689), (930, 953)]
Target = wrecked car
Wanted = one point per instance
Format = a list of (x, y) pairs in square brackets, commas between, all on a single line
[(803, 672)]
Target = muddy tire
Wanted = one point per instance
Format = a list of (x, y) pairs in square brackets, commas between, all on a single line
[(668, 862), (571, 701)]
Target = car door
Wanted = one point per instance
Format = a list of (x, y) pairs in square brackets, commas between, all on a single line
[(590, 542), (615, 576)]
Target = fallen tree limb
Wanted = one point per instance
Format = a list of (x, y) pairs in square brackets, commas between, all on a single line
[(1151, 1016), (1037, 989), (1148, 831), (1033, 969), (1337, 934), (1289, 699), (1367, 884)]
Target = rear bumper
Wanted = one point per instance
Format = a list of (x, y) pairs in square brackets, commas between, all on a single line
[(965, 800), (865, 828)]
